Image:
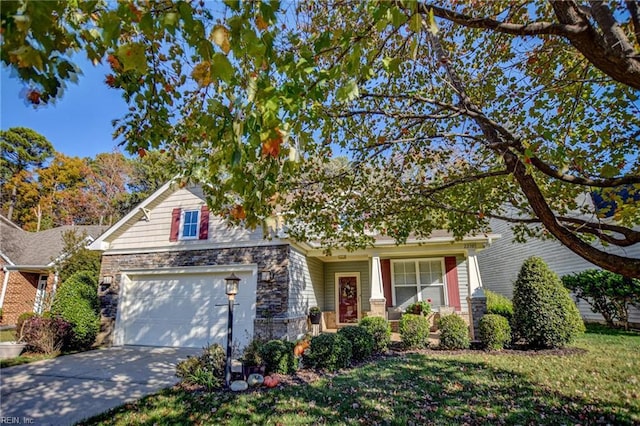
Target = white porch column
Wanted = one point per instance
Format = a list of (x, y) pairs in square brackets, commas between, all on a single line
[(477, 298), (377, 300), (5, 282)]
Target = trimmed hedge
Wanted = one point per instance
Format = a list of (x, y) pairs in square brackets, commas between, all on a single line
[(76, 301), (277, 356), (414, 331), (544, 316), (494, 332), (499, 305), (380, 330), (361, 341), (328, 351), (454, 332)]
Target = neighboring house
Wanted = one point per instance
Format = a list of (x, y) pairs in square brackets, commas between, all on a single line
[(500, 264), (164, 264), (27, 262)]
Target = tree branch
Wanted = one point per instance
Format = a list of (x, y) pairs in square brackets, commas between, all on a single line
[(466, 179), (635, 18), (534, 28), (620, 264)]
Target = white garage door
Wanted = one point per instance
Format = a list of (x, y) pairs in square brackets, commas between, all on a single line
[(185, 309)]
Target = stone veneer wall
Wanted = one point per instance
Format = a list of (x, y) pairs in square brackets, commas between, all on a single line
[(271, 298)]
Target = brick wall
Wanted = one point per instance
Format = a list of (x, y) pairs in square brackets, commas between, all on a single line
[(272, 316), (20, 295)]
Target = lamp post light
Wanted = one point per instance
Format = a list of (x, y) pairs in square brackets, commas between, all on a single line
[(231, 289)]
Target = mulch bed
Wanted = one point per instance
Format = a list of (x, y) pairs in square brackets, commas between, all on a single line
[(307, 376)]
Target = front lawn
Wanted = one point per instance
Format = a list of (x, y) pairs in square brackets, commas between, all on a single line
[(7, 335), (599, 385)]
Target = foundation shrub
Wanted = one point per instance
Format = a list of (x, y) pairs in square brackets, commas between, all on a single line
[(454, 332), (494, 332), (361, 341), (76, 301), (380, 330), (414, 331), (206, 370), (277, 357), (328, 351)]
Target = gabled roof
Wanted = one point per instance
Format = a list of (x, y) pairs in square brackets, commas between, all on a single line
[(141, 210), (21, 247)]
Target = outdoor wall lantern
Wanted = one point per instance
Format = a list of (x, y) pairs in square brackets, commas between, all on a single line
[(265, 275), (107, 280), (231, 288)]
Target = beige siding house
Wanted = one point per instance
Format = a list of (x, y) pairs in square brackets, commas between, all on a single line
[(164, 264)]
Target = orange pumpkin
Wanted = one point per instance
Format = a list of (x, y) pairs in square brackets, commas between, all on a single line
[(300, 347), (271, 381)]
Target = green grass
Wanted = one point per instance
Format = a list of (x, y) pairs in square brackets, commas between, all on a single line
[(601, 385), (7, 335), (24, 359)]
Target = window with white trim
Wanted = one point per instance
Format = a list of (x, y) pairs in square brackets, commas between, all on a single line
[(418, 279), (189, 224)]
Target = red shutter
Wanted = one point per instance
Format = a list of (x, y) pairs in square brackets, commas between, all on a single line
[(204, 223), (175, 225), (453, 291), (385, 267)]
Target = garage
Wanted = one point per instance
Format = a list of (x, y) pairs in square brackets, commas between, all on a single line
[(185, 308)]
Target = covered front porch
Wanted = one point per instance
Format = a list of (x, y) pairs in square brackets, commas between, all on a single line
[(384, 280)]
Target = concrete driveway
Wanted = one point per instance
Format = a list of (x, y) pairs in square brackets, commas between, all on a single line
[(67, 389)]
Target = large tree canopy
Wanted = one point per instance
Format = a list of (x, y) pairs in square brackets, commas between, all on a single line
[(20, 150), (449, 113)]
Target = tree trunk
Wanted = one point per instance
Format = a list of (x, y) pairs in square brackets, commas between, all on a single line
[(12, 202), (611, 52), (625, 266)]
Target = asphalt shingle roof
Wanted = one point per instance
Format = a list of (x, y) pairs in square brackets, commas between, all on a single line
[(37, 248)]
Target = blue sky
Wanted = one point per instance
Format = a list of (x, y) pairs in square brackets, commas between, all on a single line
[(78, 124)]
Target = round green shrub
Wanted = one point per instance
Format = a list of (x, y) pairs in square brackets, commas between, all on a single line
[(544, 316), (76, 301), (361, 341), (328, 351), (454, 332), (414, 331), (380, 330), (277, 356), (499, 305), (494, 331)]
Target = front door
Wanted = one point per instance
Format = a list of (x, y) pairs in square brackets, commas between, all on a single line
[(348, 297)]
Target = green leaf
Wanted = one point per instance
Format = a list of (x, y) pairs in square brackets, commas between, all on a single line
[(348, 92), (415, 24), (133, 57), (432, 25), (111, 28), (221, 68), (233, 4), (146, 24), (609, 171)]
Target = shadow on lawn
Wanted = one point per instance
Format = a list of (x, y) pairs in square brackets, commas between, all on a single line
[(402, 390), (596, 328)]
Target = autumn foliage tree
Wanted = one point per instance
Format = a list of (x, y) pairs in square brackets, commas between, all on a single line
[(450, 113)]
